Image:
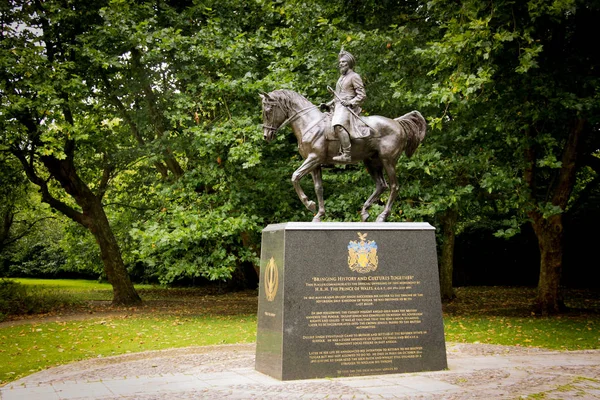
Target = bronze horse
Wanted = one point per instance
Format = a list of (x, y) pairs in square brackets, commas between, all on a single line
[(379, 151)]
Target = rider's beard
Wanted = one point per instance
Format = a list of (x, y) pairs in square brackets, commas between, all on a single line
[(343, 70)]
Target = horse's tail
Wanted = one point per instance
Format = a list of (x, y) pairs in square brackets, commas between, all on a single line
[(415, 127)]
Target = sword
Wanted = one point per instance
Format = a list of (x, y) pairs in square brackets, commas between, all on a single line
[(330, 89)]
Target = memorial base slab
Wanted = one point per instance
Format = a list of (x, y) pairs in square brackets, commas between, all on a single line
[(349, 299)]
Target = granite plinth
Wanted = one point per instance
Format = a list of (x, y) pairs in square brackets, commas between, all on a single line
[(349, 299)]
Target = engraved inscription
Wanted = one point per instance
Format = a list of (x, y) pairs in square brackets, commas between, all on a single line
[(364, 319), (380, 310), (365, 356)]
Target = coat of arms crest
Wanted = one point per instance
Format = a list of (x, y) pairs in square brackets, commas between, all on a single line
[(362, 254)]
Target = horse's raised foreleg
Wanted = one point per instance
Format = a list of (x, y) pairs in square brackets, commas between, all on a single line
[(307, 167), (317, 176), (375, 169), (390, 170)]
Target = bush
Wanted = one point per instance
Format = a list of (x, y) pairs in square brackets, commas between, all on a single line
[(16, 299), (11, 297), (38, 260)]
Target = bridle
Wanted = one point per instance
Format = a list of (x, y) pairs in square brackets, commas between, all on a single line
[(297, 114)]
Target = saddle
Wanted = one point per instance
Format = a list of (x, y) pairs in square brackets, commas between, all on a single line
[(360, 131)]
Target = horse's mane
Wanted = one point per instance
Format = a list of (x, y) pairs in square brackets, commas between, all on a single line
[(289, 100)]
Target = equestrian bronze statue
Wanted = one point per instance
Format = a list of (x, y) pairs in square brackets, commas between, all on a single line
[(377, 141)]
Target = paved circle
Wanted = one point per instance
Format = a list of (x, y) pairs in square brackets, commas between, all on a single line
[(475, 371)]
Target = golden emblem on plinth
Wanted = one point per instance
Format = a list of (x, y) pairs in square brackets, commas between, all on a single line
[(271, 278), (362, 254)]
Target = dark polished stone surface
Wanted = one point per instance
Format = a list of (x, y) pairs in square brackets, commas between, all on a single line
[(349, 299)]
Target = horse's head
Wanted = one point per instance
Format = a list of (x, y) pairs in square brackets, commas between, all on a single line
[(273, 116)]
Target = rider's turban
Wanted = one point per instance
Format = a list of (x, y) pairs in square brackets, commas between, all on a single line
[(348, 57)]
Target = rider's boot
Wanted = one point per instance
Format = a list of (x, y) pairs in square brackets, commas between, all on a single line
[(346, 147)]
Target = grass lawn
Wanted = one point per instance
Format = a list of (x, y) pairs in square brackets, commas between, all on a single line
[(171, 318), (78, 289), (25, 349), (502, 315), (557, 333)]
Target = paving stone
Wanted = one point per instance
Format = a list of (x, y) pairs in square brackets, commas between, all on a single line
[(43, 392), (475, 372), (421, 384), (77, 391)]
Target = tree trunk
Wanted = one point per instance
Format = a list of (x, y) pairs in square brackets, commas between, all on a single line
[(92, 217), (7, 222), (123, 291), (249, 243), (549, 233), (448, 221)]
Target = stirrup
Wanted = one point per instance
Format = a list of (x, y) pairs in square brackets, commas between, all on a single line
[(344, 157)]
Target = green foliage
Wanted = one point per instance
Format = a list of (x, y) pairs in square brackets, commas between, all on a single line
[(26, 234), (517, 83), (38, 253), (43, 259), (53, 247), (82, 257), (497, 69), (184, 244), (166, 115)]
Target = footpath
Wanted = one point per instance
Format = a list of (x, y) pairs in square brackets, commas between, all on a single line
[(475, 371)]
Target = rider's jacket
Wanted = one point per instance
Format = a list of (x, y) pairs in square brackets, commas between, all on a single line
[(349, 87)]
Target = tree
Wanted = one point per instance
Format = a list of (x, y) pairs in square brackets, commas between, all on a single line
[(524, 74), (52, 128)]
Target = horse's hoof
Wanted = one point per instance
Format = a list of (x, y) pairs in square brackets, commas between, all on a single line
[(316, 218), (364, 216), (312, 206), (381, 218)]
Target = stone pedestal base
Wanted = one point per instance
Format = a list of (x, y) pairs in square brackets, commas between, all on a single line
[(349, 299)]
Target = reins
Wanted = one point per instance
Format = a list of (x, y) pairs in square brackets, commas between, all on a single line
[(298, 114)]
